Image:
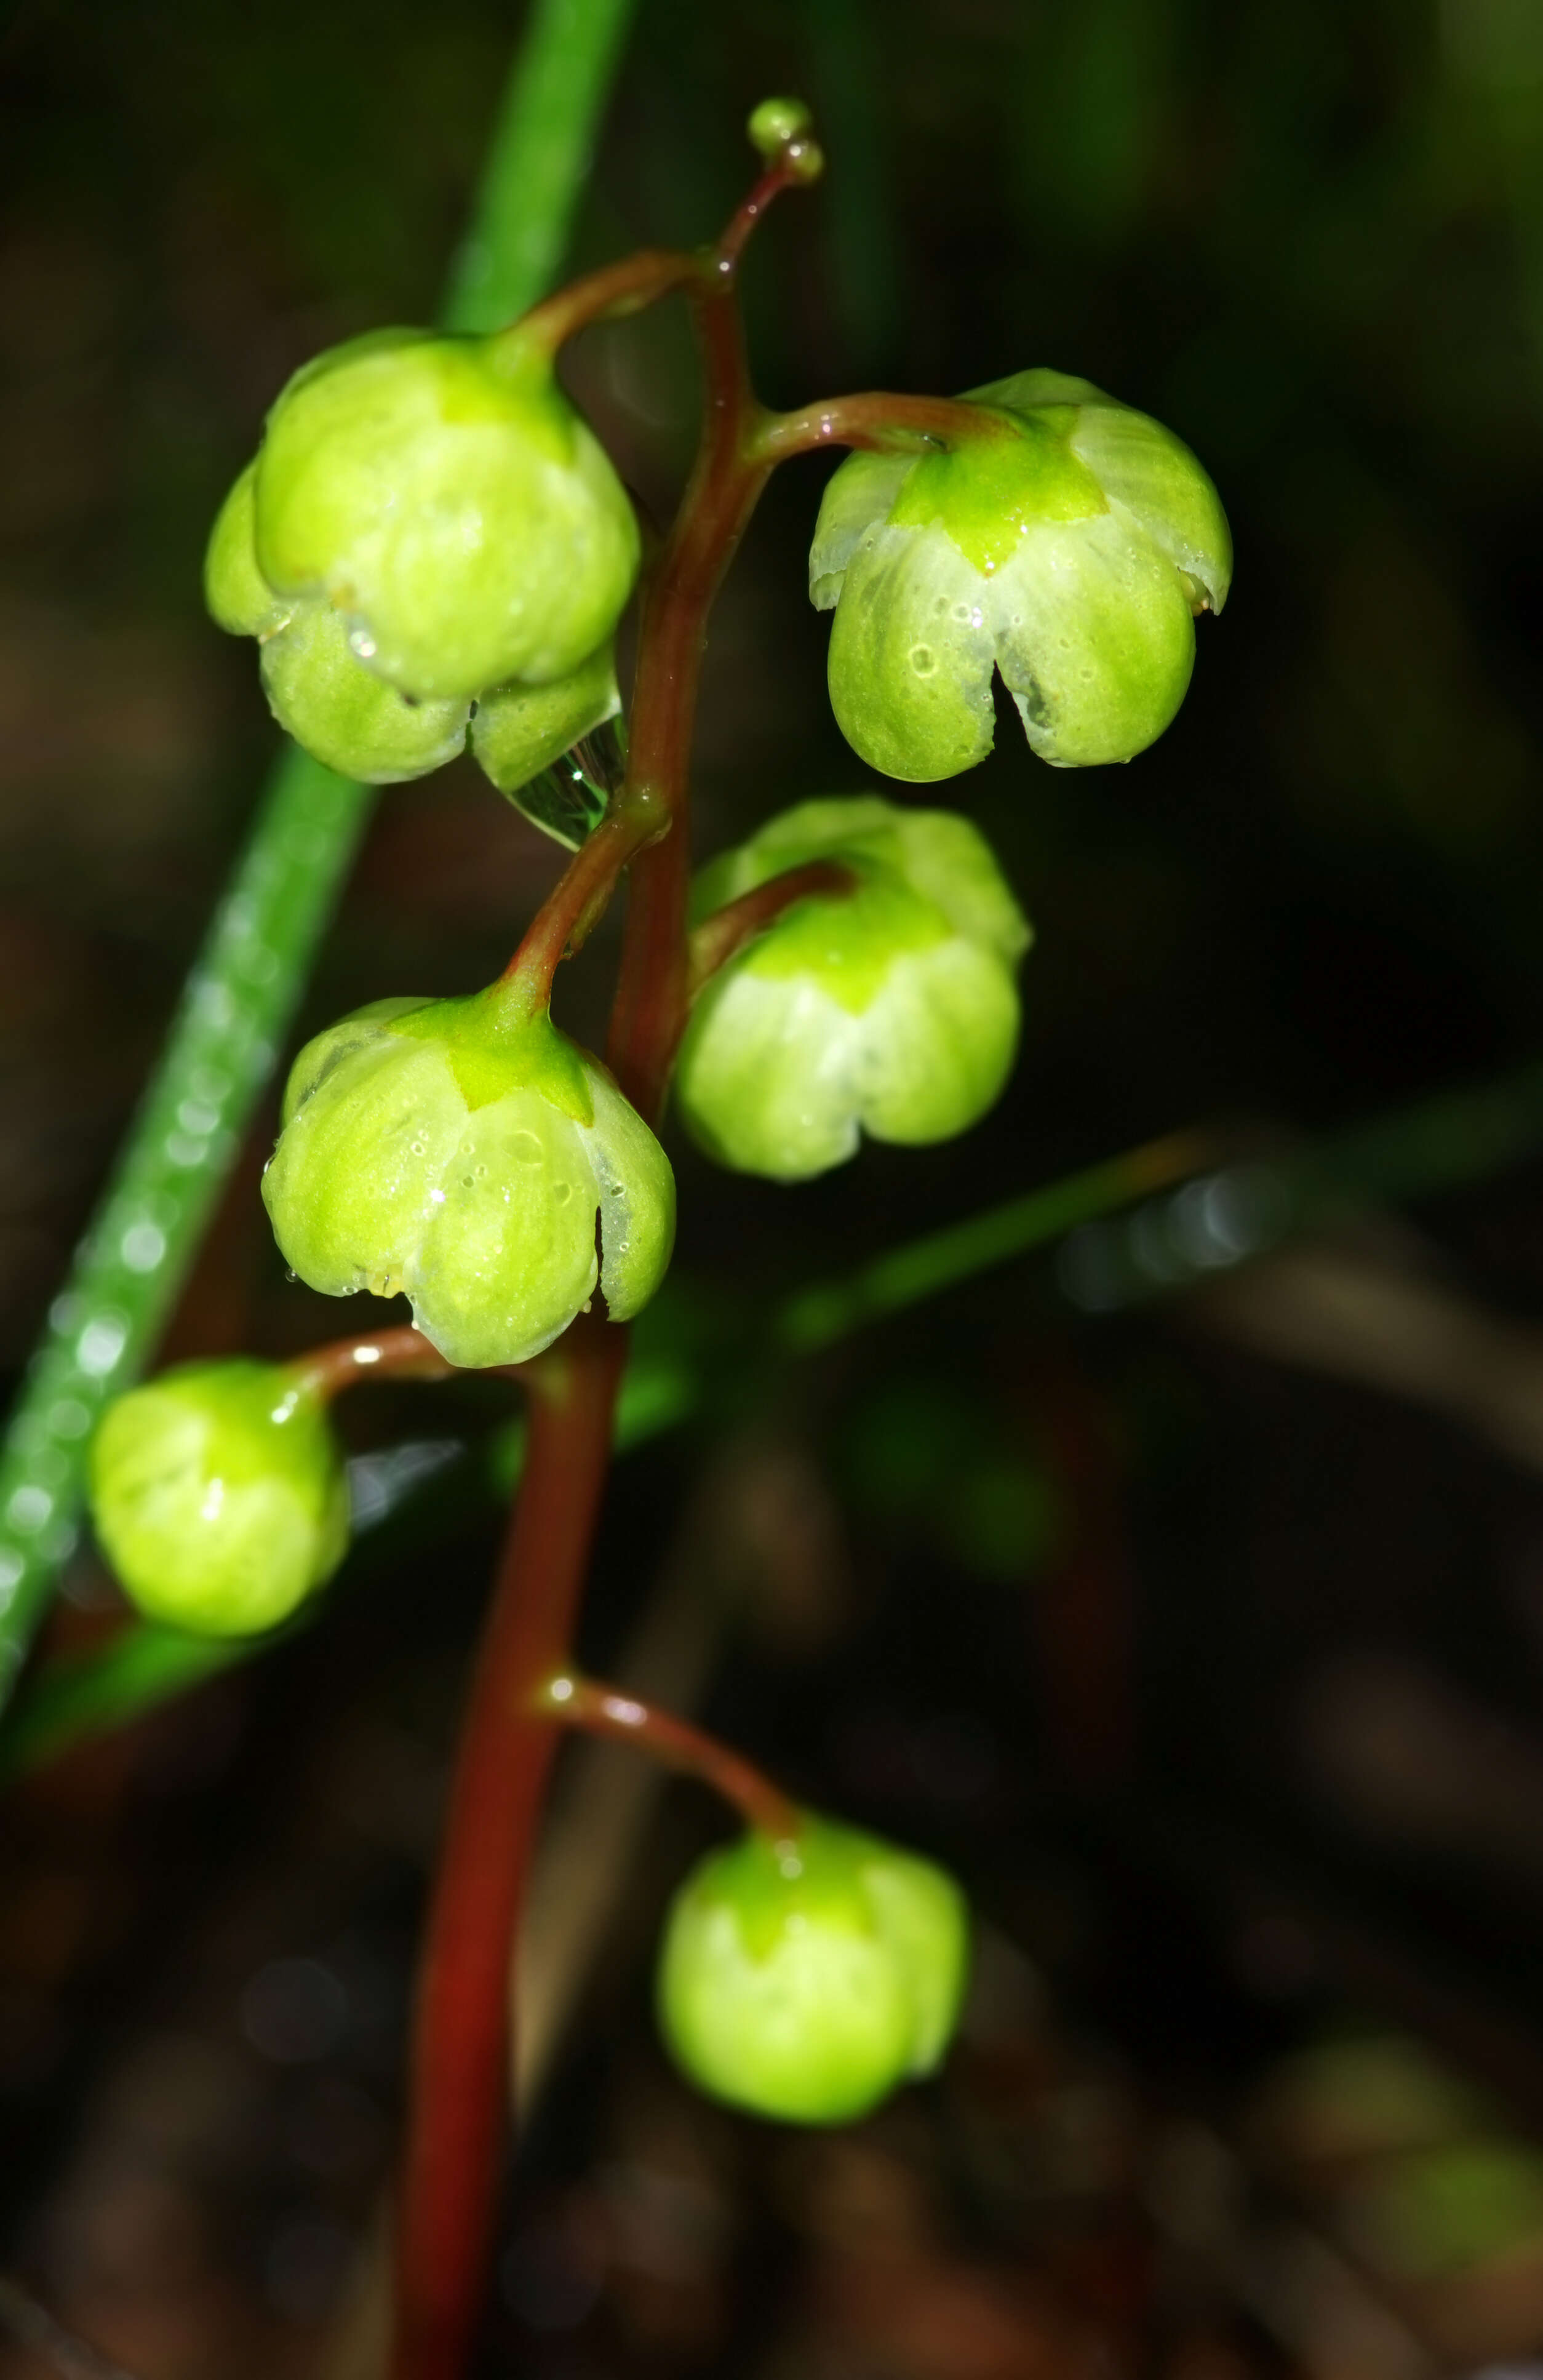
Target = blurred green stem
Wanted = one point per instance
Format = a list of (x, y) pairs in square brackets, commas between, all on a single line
[(244, 986)]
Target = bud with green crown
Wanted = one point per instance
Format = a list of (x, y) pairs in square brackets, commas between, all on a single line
[(889, 1009), (219, 1495), (1069, 544), (429, 528), (804, 1980), (459, 1151)]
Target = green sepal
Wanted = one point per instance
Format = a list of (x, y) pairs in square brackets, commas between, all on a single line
[(219, 1494), (805, 1980)]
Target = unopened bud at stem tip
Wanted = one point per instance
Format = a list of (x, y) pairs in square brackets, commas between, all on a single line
[(776, 125)]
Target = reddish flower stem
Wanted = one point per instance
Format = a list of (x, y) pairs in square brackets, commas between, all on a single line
[(460, 2079), (731, 929), (401, 1354), (573, 1701), (578, 901), (604, 297), (877, 421)]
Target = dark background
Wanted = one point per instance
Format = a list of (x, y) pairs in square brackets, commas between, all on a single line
[(1198, 1622)]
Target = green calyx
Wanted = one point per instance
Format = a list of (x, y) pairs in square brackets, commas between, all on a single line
[(460, 1151), (429, 515), (890, 1008), (219, 1495), (1066, 546), (805, 1980)]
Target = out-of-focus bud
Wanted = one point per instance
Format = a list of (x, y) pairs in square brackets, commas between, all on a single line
[(219, 1495), (804, 1980), (892, 1009), (1068, 544), (459, 1151)]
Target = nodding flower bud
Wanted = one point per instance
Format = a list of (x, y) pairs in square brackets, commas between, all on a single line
[(427, 515), (889, 1009), (804, 1980), (1068, 544), (459, 1151), (219, 1495)]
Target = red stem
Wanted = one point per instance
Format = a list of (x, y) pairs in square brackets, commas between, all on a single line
[(400, 1355), (578, 901), (607, 1710), (614, 291), (461, 2062), (879, 421), (738, 923)]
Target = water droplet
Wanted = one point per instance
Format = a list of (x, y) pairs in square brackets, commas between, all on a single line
[(361, 642), (481, 1171), (923, 660), (525, 1148), (561, 1193), (291, 1275), (416, 1148), (468, 1180)]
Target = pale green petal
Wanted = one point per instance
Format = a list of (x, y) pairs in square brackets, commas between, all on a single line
[(911, 659), (937, 1045), (808, 831), (1142, 467), (924, 1924), (520, 730), (1024, 392), (946, 856), (506, 1256), (348, 1186), (344, 714), (636, 1199), (766, 1079), (857, 498), (325, 1052), (1094, 639), (238, 597)]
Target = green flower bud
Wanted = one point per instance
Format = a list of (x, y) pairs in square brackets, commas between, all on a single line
[(805, 1980), (1070, 552), (431, 516), (459, 1150), (218, 1492), (445, 495), (518, 730), (890, 1010)]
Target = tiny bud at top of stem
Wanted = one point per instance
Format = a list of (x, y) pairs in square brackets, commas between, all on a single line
[(776, 124)]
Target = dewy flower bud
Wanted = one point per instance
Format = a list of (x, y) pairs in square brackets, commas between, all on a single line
[(892, 1009), (459, 1150), (805, 1980), (429, 516), (1070, 548), (218, 1492)]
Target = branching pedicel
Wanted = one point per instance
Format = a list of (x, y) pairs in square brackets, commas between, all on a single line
[(432, 549)]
